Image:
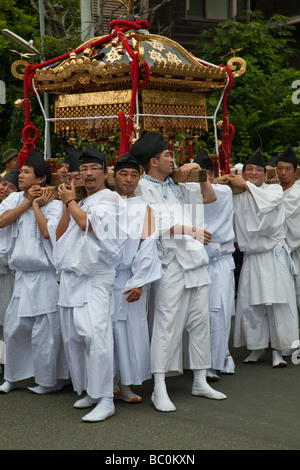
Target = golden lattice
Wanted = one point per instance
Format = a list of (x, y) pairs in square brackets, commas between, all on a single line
[(90, 105), (157, 103)]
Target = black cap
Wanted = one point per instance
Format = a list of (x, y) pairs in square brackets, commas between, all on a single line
[(40, 166), (127, 161), (256, 159), (204, 160), (92, 155), (288, 156), (73, 159), (148, 146)]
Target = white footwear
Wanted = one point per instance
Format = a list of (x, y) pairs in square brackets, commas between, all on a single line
[(211, 375), (277, 360), (41, 390), (162, 403), (202, 389), (85, 402), (229, 366), (127, 395), (103, 410), (255, 355), (160, 397), (7, 387)]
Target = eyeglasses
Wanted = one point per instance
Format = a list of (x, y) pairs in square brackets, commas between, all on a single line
[(251, 169), (93, 169)]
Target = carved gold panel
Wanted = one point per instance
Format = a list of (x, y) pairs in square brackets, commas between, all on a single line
[(76, 114), (158, 104)]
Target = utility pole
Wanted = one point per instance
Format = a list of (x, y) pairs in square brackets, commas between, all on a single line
[(45, 95), (87, 20)]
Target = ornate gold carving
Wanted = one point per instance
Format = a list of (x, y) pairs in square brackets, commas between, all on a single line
[(158, 103), (16, 65), (157, 45), (157, 56), (127, 4), (239, 60), (90, 105)]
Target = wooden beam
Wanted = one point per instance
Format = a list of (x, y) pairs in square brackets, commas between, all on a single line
[(196, 176)]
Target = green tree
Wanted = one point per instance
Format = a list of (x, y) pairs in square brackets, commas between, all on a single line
[(19, 20), (23, 20), (260, 104)]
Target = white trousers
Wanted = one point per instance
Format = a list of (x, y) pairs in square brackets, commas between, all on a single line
[(178, 309), (88, 339), (6, 290), (221, 305), (33, 347)]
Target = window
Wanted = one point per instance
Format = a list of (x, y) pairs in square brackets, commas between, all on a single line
[(214, 9), (207, 9)]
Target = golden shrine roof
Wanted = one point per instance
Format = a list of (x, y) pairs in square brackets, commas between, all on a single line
[(107, 67)]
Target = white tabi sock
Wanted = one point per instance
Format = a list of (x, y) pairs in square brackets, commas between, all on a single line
[(41, 390), (103, 410), (229, 366), (277, 360), (255, 355), (7, 386), (211, 375), (202, 389), (127, 395), (85, 402), (160, 397)]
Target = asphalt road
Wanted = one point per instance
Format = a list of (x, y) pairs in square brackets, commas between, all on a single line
[(262, 412)]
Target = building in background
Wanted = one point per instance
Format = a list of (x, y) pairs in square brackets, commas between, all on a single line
[(181, 20)]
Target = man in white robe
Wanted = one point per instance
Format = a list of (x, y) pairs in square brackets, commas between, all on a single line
[(218, 220), (138, 269), (286, 166), (10, 184), (86, 278), (266, 311), (181, 296), (32, 333)]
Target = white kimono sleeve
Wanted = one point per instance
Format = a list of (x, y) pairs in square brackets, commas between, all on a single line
[(146, 265)]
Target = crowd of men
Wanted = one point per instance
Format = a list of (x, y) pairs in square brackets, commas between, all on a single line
[(138, 282)]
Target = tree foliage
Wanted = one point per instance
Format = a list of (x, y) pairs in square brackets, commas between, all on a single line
[(260, 104)]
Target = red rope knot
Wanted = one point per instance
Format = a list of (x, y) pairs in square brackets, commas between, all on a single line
[(29, 143)]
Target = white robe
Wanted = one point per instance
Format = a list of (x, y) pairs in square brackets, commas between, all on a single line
[(6, 285), (218, 219), (85, 300), (291, 206), (139, 267), (180, 297), (32, 332), (266, 311)]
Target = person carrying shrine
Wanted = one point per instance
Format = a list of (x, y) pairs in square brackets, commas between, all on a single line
[(266, 310), (286, 166), (140, 266), (90, 236), (181, 296), (218, 220), (32, 332)]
